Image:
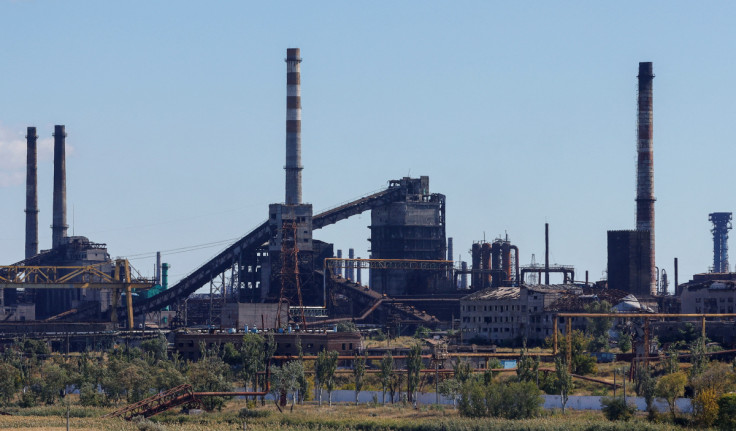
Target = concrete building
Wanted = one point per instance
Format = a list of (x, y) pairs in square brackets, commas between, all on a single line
[(507, 315), (262, 316), (411, 228), (708, 296), (629, 266)]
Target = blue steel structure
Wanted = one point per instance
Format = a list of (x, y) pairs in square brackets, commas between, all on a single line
[(721, 226)]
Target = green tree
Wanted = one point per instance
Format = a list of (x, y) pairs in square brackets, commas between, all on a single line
[(582, 362), (166, 376), (624, 342), (514, 400), (726, 419), (10, 382), (413, 367), (210, 374), (671, 387), (330, 381), (285, 380), (598, 327), (698, 357), (462, 370), (253, 357), (358, 374), (53, 379), (527, 368), (387, 371), (645, 387), (155, 347), (672, 360), (616, 409), (325, 367), (421, 332), (450, 388), (564, 381), (346, 327)]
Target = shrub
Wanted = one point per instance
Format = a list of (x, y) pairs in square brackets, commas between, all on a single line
[(516, 400), (616, 409), (726, 419), (705, 406), (247, 413), (144, 424)]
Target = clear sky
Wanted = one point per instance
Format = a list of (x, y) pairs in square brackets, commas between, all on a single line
[(520, 112)]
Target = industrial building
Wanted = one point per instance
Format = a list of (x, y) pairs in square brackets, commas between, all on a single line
[(281, 275)]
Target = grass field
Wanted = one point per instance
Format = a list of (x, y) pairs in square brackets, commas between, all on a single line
[(312, 417)]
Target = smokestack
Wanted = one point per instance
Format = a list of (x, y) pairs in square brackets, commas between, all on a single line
[(546, 254), (350, 273), (645, 165), (31, 194), (293, 128), (158, 268), (59, 226), (339, 256)]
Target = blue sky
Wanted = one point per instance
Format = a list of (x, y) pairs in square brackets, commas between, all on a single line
[(520, 112)]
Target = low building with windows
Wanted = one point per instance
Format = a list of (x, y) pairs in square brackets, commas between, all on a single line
[(508, 315), (708, 296)]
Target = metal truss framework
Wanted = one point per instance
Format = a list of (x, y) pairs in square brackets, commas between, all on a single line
[(117, 277)]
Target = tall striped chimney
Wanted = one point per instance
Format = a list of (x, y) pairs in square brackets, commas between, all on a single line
[(31, 193), (59, 226), (293, 128), (645, 165)]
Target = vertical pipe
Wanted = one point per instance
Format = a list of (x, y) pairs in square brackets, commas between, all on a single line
[(546, 254), (349, 271), (59, 226), (293, 165), (586, 278), (158, 268), (645, 164), (339, 268), (357, 273), (516, 264), (464, 276), (677, 292), (450, 251), (31, 193), (486, 263), (475, 257), (506, 258)]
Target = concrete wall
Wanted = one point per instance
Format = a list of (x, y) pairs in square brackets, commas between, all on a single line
[(237, 315)]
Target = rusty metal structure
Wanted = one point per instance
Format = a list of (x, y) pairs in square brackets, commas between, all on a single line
[(291, 290), (494, 264), (645, 165), (721, 226), (412, 227)]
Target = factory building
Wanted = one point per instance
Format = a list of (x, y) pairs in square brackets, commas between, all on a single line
[(629, 267), (412, 227), (65, 250), (508, 315)]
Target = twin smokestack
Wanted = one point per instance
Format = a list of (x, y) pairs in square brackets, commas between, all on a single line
[(645, 165), (58, 226)]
